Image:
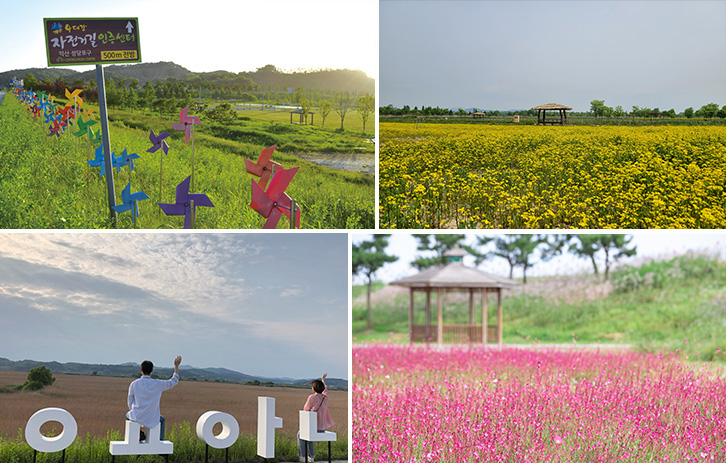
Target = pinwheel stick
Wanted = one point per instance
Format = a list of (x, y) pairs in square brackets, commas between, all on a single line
[(192, 187), (292, 208)]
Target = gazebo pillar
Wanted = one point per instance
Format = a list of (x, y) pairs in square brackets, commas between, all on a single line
[(440, 319), (499, 316), (410, 316), (428, 314), (484, 327)]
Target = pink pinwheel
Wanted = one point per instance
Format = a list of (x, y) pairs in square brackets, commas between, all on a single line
[(186, 123), (274, 202), (264, 167), (186, 203)]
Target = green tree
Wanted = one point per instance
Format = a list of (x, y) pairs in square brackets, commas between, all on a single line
[(148, 95), (597, 107), (30, 82), (709, 110), (688, 112), (618, 111), (222, 113), (612, 246), (367, 258), (366, 105), (305, 107), (324, 108), (439, 244), (522, 250), (341, 105), (38, 378)]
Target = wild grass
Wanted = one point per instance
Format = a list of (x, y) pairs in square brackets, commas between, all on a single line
[(45, 182)]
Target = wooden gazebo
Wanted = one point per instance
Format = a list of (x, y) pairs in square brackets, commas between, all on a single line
[(455, 276), (542, 113)]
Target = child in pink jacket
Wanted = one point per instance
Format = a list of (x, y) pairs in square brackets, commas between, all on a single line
[(317, 402)]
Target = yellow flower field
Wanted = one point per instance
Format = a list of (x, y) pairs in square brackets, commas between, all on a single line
[(486, 176)]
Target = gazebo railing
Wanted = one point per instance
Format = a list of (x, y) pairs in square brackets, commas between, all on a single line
[(454, 334)]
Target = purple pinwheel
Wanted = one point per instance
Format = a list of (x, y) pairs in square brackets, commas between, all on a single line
[(126, 160), (159, 142), (129, 201), (186, 203)]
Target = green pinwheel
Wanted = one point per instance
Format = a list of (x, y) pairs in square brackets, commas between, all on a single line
[(83, 126)]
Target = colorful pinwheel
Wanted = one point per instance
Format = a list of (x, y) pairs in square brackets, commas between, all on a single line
[(129, 201), (126, 160), (74, 97), (57, 128), (159, 142), (83, 127), (264, 167), (274, 202), (186, 203), (94, 137), (186, 124)]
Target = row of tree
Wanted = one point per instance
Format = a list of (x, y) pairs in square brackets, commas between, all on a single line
[(168, 96), (708, 111), (519, 250)]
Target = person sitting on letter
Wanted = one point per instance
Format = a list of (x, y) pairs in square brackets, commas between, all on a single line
[(317, 402), (145, 394)]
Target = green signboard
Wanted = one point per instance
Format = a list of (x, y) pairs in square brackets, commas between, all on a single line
[(74, 41)]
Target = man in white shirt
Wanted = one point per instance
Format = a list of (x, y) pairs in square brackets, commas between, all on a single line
[(145, 394)]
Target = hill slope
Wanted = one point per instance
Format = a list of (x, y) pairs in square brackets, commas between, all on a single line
[(187, 372)]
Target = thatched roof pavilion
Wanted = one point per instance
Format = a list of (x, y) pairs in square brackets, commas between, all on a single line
[(455, 276), (542, 113)]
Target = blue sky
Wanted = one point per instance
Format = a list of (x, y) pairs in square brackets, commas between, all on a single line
[(231, 35), (519, 54), (263, 304), (650, 244)]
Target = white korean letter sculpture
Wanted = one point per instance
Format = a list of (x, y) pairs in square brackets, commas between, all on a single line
[(266, 424), (39, 442), (309, 429), (131, 445), (225, 439)]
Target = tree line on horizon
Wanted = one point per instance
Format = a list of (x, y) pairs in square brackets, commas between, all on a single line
[(170, 95), (597, 109)]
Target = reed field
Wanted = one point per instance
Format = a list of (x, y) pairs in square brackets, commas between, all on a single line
[(98, 405), (474, 176), (45, 182), (520, 405)]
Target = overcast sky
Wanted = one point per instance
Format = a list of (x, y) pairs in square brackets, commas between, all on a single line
[(649, 244), (262, 304), (520, 54), (211, 35)]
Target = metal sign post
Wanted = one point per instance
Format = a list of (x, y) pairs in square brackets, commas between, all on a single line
[(106, 141)]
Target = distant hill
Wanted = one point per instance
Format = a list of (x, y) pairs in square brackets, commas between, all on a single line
[(327, 79), (186, 372)]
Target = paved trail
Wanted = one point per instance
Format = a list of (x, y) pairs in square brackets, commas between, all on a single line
[(2, 94)]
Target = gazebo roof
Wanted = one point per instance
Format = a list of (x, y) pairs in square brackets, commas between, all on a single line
[(552, 106), (454, 275)]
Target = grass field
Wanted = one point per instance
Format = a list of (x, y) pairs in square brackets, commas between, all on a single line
[(45, 182), (488, 176), (677, 304), (98, 405), (518, 405)]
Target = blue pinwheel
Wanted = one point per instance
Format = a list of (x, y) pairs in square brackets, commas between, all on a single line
[(125, 160), (186, 203), (100, 160), (129, 201)]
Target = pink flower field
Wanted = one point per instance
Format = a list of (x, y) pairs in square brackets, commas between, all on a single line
[(520, 405)]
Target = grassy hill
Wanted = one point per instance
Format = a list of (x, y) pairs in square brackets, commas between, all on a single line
[(678, 304)]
